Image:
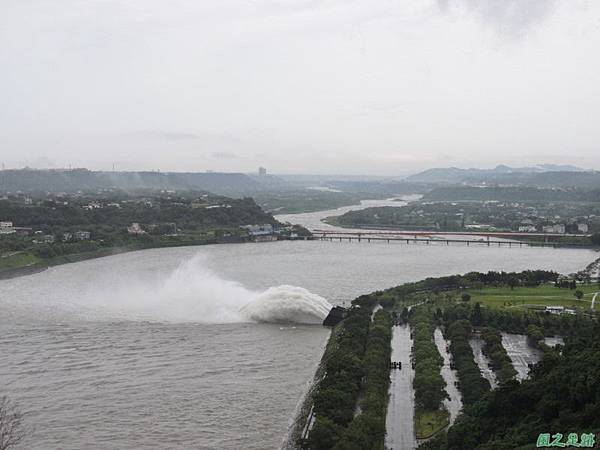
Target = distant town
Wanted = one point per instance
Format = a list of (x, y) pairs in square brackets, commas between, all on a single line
[(61, 227)]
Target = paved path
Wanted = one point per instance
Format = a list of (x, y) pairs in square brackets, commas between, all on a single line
[(454, 404), (520, 353), (400, 431), (483, 361)]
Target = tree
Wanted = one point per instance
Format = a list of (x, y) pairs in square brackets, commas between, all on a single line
[(513, 282), (596, 239), (465, 297), (324, 435), (11, 424), (476, 317), (578, 294)]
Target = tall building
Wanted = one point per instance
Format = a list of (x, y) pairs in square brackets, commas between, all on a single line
[(262, 172)]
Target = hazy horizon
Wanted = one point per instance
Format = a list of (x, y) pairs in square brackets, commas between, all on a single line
[(365, 175), (302, 87)]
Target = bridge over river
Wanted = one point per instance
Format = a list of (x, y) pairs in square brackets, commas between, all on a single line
[(428, 237)]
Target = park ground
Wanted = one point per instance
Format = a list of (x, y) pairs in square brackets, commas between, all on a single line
[(536, 297)]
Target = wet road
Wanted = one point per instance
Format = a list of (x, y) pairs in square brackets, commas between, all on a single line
[(400, 432), (520, 353), (454, 404), (483, 362)]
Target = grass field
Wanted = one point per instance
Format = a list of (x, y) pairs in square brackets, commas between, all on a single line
[(427, 423), (544, 295), (17, 259)]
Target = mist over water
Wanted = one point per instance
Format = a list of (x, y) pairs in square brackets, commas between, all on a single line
[(194, 293)]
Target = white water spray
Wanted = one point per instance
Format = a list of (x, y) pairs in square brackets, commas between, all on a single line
[(193, 293), (287, 304)]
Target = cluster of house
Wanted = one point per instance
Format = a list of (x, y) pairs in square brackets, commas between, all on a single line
[(262, 233), (7, 227), (77, 236), (96, 205), (555, 228), (267, 232), (66, 237)]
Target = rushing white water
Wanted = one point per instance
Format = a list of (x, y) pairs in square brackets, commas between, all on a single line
[(287, 304), (189, 293)]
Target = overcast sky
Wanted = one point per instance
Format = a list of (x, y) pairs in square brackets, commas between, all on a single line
[(299, 86)]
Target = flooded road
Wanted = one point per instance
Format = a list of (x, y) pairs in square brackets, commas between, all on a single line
[(483, 362), (520, 353), (400, 431), (454, 404)]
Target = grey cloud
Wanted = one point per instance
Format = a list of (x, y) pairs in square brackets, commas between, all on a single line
[(512, 17)]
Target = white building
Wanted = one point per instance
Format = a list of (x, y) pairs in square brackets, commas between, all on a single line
[(582, 227), (558, 228), (555, 309), (82, 235), (7, 228), (527, 229), (259, 230), (135, 228)]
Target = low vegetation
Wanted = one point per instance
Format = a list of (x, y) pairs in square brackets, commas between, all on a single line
[(471, 383), (359, 363), (367, 430), (428, 383), (499, 359)]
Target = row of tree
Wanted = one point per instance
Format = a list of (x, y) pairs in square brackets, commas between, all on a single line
[(335, 398), (561, 395), (428, 383), (499, 359), (367, 430), (357, 365), (471, 383)]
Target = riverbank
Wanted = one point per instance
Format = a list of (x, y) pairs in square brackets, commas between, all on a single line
[(39, 264), (348, 403)]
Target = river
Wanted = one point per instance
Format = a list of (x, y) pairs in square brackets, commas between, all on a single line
[(149, 350)]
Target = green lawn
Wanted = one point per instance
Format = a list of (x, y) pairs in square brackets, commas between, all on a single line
[(427, 423), (17, 259), (544, 295)]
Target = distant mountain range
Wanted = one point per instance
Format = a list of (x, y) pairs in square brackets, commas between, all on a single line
[(53, 180), (540, 175)]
